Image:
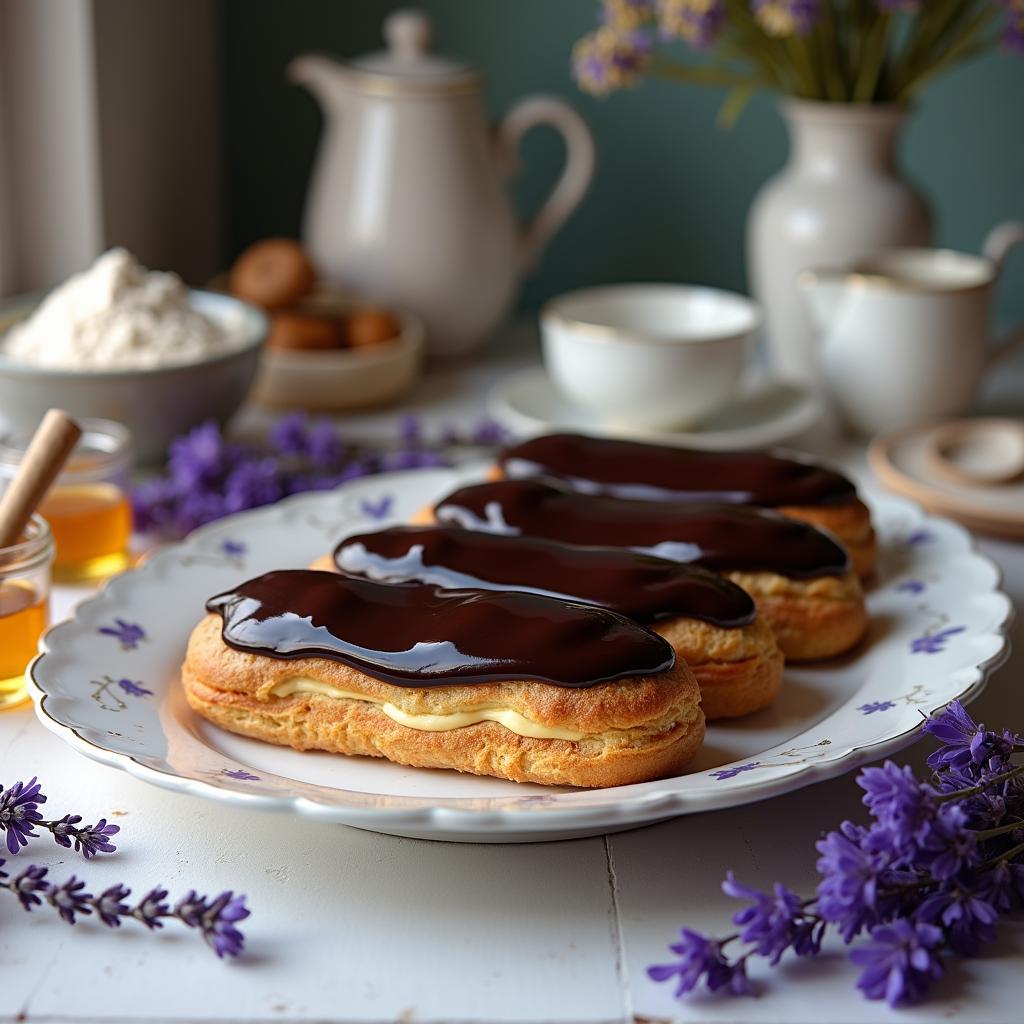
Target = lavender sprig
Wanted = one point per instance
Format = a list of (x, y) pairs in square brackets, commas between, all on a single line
[(88, 840), (215, 919), (19, 812), (20, 817), (209, 477), (929, 877)]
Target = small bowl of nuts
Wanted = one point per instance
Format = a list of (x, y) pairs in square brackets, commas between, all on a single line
[(325, 351)]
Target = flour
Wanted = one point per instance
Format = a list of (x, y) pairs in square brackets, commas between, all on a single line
[(118, 315)]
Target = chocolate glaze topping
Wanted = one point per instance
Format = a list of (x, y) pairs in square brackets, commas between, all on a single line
[(713, 536), (414, 635), (639, 586), (629, 469)]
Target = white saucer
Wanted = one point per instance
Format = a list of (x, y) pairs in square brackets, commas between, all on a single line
[(766, 412), (904, 463)]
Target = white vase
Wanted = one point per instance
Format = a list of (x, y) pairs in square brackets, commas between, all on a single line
[(839, 198)]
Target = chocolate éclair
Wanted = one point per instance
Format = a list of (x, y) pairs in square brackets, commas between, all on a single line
[(798, 488), (798, 575), (514, 685), (711, 623)]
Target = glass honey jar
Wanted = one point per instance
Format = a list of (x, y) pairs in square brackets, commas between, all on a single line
[(24, 606), (88, 507)]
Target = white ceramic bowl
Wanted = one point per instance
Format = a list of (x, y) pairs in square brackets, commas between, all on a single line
[(155, 404), (648, 356), (342, 379)]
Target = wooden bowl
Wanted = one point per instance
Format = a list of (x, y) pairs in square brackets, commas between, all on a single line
[(336, 380)]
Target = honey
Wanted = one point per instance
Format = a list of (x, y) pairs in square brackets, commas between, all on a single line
[(92, 525), (23, 617), (87, 508)]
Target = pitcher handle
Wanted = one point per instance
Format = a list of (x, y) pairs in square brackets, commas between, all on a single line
[(576, 175), (1001, 239)]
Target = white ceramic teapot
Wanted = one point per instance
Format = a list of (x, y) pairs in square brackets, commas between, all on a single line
[(905, 336), (407, 204)]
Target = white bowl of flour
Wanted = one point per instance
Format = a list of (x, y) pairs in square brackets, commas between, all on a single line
[(120, 342)]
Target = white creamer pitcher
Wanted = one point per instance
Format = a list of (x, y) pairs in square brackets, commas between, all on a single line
[(905, 336), (407, 203)]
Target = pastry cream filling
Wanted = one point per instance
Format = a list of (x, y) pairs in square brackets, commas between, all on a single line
[(510, 719)]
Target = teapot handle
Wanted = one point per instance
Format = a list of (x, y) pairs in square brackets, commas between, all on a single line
[(576, 175), (1000, 240)]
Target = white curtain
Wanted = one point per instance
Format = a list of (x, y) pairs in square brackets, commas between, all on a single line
[(109, 135)]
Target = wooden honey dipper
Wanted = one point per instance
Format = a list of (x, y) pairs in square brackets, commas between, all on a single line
[(51, 444)]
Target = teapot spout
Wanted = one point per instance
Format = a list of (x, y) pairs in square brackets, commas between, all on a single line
[(823, 292), (322, 77)]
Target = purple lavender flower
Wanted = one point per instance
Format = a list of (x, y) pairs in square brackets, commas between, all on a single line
[(948, 846), (210, 477), (773, 922), (199, 457), (1000, 884), (233, 548), (783, 18), (627, 15), (189, 909), (218, 924), (154, 504), (28, 885), (934, 643), (877, 705), (197, 508), (289, 435), (304, 483), (252, 483), (848, 890), (697, 22), (606, 59), (324, 446), (110, 905), (938, 866), (19, 812), (69, 899), (151, 908), (95, 839), (241, 774), (215, 919), (966, 744), (129, 634), (700, 958), (488, 432), (134, 689), (900, 963), (897, 800), (355, 470), (89, 841), (731, 773), (410, 430), (966, 918)]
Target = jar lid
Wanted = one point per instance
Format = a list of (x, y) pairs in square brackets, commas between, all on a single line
[(408, 66)]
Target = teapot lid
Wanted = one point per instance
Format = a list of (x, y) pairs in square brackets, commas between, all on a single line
[(407, 66)]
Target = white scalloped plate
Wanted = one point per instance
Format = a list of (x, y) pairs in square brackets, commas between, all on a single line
[(107, 683)]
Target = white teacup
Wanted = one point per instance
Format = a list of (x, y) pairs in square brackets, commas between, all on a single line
[(648, 356), (906, 334)]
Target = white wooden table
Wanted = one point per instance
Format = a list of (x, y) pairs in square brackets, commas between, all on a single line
[(355, 927)]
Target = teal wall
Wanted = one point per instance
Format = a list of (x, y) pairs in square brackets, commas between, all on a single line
[(672, 190)]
